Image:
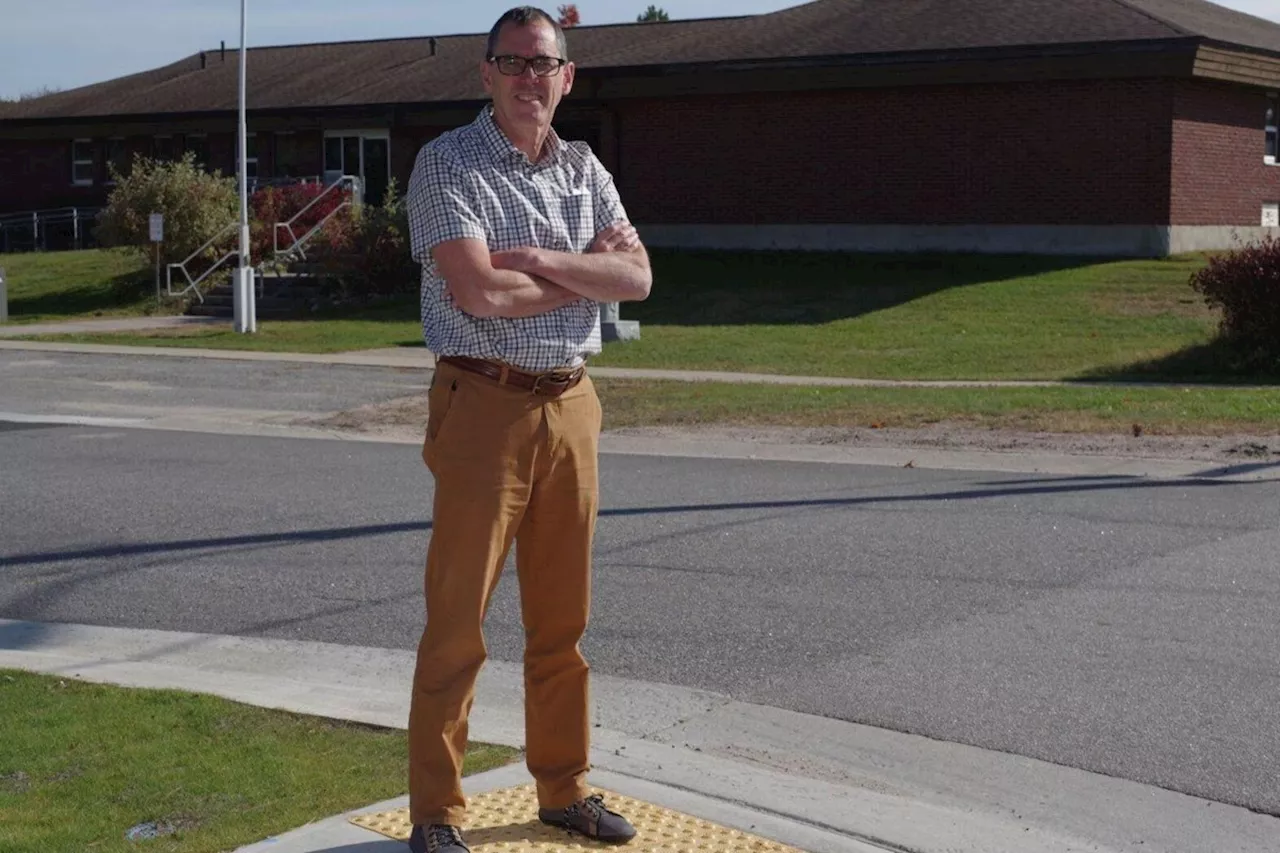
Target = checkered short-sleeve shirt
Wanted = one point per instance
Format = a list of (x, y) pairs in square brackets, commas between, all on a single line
[(473, 183)]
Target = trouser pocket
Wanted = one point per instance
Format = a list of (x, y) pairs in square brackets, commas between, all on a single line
[(440, 396)]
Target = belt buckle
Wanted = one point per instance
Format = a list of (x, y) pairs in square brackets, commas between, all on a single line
[(555, 377)]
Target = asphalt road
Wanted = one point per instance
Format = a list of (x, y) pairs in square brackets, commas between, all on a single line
[(1123, 626), (113, 386)]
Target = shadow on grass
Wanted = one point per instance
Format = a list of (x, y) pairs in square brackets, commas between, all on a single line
[(719, 288), (1219, 362), (118, 292), (693, 288)]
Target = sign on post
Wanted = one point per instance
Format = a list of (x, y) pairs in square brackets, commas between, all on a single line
[(156, 223)]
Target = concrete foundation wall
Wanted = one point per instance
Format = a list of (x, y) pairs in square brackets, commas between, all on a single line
[(1113, 240)]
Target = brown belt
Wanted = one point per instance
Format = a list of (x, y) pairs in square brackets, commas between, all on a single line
[(550, 384)]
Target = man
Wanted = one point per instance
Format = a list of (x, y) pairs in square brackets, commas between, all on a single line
[(520, 236)]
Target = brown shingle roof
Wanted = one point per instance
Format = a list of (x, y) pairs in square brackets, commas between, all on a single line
[(1196, 17), (405, 71)]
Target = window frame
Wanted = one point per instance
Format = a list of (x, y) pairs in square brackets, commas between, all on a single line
[(290, 140), (201, 142), (77, 162), (251, 155), (1271, 131), (109, 160), (159, 141)]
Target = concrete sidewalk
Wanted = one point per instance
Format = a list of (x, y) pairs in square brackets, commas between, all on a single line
[(809, 782), (116, 324), (421, 359)]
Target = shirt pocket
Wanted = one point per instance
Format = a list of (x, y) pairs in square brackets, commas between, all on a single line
[(578, 215)]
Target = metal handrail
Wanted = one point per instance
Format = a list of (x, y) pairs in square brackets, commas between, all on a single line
[(182, 265), (26, 216), (298, 243), (38, 221)]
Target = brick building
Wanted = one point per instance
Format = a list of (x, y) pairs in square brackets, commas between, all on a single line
[(1138, 127)]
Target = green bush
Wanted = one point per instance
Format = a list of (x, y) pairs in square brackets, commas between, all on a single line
[(196, 206), (1245, 285), (369, 253)]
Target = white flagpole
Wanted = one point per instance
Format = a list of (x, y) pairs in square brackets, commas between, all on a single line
[(243, 294)]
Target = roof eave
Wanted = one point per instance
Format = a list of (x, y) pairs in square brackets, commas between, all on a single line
[(260, 112), (1182, 45), (1195, 56), (1232, 63)]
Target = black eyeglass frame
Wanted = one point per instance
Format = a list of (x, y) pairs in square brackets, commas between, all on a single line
[(525, 62)]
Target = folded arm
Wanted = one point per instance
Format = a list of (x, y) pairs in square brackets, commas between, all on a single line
[(483, 290), (615, 268)]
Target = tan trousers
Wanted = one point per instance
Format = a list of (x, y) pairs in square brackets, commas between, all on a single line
[(508, 465)]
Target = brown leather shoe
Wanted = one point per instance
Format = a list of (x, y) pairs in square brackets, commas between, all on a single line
[(589, 817)]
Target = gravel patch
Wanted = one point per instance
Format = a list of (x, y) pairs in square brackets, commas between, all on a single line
[(407, 416)]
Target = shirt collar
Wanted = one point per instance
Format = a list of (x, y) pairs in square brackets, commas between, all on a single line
[(502, 148)]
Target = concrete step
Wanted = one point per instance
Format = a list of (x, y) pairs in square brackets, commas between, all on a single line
[(263, 312), (289, 295)]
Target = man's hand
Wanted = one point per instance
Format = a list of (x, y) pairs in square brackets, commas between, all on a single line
[(618, 237)]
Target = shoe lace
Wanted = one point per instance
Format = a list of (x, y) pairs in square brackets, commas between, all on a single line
[(592, 805), (440, 836)]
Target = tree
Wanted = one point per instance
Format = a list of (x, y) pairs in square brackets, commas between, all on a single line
[(569, 15), (31, 96), (652, 14)]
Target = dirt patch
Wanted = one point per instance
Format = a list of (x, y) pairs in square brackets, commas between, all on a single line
[(16, 782), (406, 418), (400, 412), (1228, 448)]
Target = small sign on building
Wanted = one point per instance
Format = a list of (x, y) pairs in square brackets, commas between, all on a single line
[(1271, 214)]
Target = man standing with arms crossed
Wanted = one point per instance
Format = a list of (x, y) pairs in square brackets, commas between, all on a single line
[(520, 236)]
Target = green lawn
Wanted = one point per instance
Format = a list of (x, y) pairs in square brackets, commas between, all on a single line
[(82, 764), (1063, 409), (53, 286), (828, 314), (875, 316), (917, 316)]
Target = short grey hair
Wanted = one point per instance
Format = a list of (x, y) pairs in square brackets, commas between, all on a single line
[(523, 16)]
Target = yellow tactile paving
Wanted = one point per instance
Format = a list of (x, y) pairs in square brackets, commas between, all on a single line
[(507, 820)]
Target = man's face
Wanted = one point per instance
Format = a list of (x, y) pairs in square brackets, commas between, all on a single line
[(526, 99)]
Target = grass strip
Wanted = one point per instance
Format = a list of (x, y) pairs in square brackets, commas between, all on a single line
[(1065, 409), (81, 764)]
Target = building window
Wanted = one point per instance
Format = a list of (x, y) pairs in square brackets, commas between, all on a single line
[(118, 157), (198, 144), (341, 156), (288, 154), (82, 162), (1273, 129), (162, 149), (251, 156)]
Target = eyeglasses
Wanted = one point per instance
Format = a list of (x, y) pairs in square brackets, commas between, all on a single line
[(513, 66)]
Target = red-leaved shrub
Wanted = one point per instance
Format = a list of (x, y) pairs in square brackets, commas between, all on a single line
[(272, 205), (1245, 285)]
